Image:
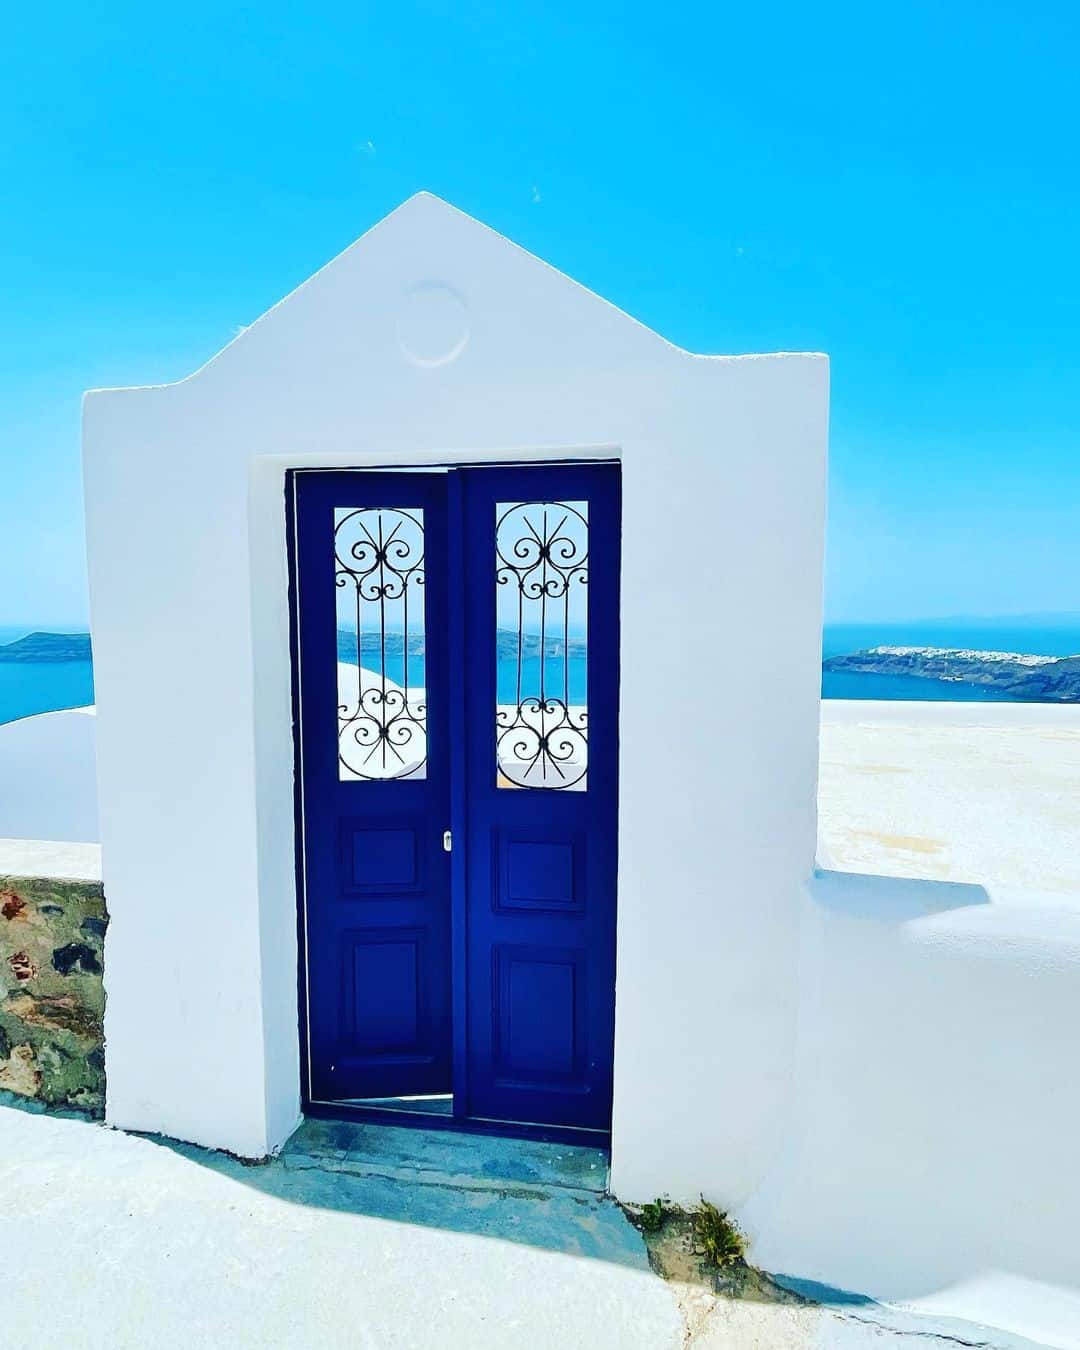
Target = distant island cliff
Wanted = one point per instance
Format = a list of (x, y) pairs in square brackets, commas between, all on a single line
[(1041, 679), (47, 648), (391, 644), (1049, 679)]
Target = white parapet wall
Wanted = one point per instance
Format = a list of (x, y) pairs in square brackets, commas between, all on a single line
[(48, 788), (930, 1146)]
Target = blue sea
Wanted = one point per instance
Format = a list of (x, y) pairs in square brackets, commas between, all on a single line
[(27, 688), (33, 688)]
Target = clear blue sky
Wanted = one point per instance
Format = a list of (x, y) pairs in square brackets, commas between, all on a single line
[(896, 185)]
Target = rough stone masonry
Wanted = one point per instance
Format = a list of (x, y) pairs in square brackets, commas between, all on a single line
[(51, 993)]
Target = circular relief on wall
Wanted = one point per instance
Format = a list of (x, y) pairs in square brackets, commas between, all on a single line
[(433, 324)]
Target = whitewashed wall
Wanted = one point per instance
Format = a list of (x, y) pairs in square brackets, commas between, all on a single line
[(48, 787), (930, 1142), (433, 339)]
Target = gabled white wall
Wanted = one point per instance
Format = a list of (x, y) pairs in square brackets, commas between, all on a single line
[(434, 340)]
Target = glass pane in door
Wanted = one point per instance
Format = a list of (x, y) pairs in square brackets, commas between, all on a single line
[(541, 586), (381, 694)]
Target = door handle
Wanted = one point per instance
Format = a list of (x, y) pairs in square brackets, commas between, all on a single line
[(447, 841)]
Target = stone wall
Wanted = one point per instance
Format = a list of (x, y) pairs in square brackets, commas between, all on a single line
[(51, 994)]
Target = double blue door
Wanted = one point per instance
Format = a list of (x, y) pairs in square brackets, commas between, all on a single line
[(456, 663)]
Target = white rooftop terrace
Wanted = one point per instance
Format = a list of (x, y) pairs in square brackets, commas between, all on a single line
[(975, 792)]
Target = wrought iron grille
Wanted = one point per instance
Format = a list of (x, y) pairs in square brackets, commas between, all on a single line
[(382, 702), (542, 572)]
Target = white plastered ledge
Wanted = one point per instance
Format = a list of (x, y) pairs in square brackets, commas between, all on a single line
[(56, 859)]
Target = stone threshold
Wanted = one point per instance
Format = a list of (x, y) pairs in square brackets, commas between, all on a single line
[(446, 1158)]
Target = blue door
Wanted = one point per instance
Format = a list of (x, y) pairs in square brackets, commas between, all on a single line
[(541, 591), (374, 783), (456, 642)]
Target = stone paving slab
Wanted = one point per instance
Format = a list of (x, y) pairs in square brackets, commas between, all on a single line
[(405, 1152)]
